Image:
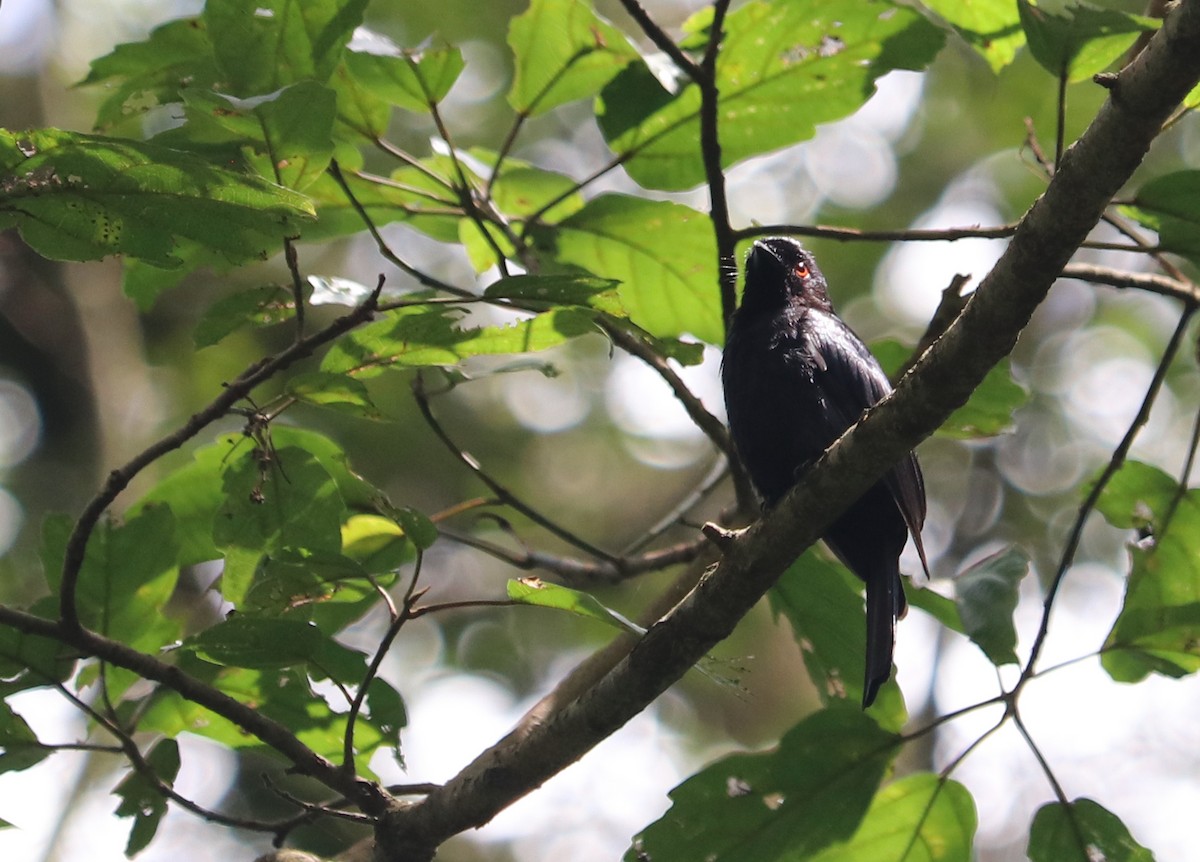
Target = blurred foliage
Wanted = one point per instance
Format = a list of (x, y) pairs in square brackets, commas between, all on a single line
[(525, 178)]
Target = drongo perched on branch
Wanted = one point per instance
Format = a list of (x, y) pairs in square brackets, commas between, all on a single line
[(795, 378)]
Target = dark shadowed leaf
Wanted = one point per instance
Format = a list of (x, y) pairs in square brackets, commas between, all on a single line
[(154, 72), (987, 598), (1170, 205), (141, 798), (268, 44), (789, 803), (1081, 42), (1082, 832), (83, 197)]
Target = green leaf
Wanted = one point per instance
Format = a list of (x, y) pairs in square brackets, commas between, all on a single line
[(785, 804), (991, 27), (263, 46), (823, 602), (141, 798), (257, 642), (562, 51), (1082, 42), (987, 598), (297, 583), (127, 577), (376, 543), (1135, 494), (273, 499), (83, 197), (662, 254), (289, 133), (942, 609), (258, 306), (19, 746), (418, 336), (281, 694), (1170, 205), (535, 591), (785, 67), (30, 661), (1082, 832), (919, 818), (1158, 629), (173, 58), (601, 294), (413, 80), (988, 412), (333, 390), (417, 526)]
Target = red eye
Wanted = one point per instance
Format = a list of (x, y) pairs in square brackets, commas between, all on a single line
[(801, 270)]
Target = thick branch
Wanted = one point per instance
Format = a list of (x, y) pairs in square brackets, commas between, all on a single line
[(1092, 171)]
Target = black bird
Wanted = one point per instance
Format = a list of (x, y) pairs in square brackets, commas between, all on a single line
[(796, 377)]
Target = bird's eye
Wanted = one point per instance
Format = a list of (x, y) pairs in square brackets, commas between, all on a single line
[(801, 270)]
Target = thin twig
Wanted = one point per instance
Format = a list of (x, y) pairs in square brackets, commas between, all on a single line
[(397, 621), (1093, 497), (505, 495), (380, 243), (948, 234)]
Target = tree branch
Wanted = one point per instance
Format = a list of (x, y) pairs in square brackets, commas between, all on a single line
[(1091, 173)]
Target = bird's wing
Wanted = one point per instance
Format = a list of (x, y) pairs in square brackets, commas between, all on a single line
[(850, 380)]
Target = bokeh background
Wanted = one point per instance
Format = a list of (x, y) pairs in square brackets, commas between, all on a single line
[(86, 381)]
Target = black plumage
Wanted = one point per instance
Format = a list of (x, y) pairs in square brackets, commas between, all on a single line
[(796, 377)]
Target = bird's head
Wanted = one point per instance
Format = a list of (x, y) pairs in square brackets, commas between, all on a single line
[(779, 272)]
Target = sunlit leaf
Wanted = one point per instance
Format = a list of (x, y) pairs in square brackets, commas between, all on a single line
[(919, 818), (535, 591), (790, 803), (1135, 493), (274, 498), (333, 390), (1158, 629), (563, 51), (991, 27), (823, 602), (987, 598), (1082, 831), (377, 543), (83, 197), (407, 79), (127, 576), (662, 253), (783, 69), (418, 336)]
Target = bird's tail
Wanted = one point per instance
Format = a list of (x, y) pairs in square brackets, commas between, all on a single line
[(885, 602)]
